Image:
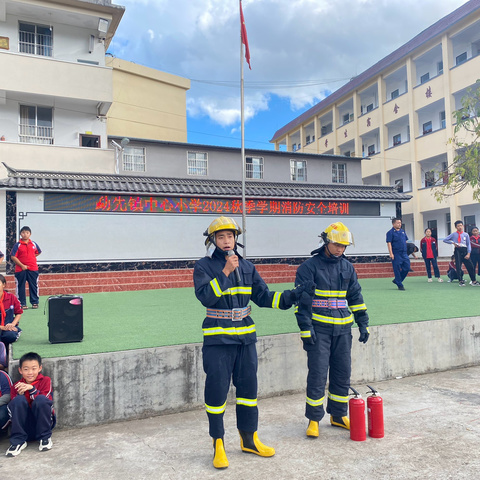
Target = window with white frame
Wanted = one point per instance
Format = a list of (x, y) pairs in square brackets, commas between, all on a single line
[(134, 159), (254, 167), (197, 163), (371, 150), (298, 170), (442, 119), (462, 58), (425, 78), (397, 139), (35, 39), (399, 185), (36, 124), (339, 172), (427, 127)]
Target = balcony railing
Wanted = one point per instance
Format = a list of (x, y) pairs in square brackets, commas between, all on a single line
[(36, 134)]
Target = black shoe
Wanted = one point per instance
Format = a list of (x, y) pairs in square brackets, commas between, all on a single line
[(401, 287)]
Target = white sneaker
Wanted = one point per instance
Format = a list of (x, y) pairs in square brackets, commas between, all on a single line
[(45, 444), (449, 281), (440, 280), (429, 280), (14, 450)]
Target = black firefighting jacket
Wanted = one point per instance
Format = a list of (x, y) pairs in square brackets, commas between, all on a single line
[(338, 295), (216, 291)]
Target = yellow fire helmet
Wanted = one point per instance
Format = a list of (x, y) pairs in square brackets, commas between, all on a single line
[(219, 224), (337, 233)]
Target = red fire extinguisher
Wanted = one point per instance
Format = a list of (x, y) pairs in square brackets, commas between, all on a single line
[(356, 407), (375, 414)]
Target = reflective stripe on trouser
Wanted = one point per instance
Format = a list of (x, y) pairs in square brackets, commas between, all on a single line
[(328, 356), (222, 364)]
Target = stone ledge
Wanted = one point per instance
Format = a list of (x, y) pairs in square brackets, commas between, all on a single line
[(117, 386)]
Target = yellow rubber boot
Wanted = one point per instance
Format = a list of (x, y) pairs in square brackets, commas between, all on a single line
[(343, 422), (250, 443), (220, 457), (312, 430)]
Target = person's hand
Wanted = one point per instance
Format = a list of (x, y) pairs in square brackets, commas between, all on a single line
[(309, 339), (308, 287), (364, 334), (230, 265), (23, 387), (467, 256), (11, 328), (392, 256), (24, 267)]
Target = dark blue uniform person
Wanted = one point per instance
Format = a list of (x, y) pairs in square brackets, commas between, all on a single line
[(229, 351), (325, 326), (397, 248)]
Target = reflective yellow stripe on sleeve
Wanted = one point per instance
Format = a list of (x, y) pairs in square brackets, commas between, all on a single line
[(216, 410), (228, 331), (337, 398), (357, 308), (216, 288), (238, 291), (305, 334), (315, 403), (276, 300), (248, 402)]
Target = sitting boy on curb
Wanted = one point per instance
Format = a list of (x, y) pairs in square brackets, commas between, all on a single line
[(10, 314), (31, 408), (5, 387)]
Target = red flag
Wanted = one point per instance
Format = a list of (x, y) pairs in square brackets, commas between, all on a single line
[(244, 36)]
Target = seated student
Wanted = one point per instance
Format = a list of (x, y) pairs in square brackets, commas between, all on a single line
[(10, 313), (452, 271), (31, 407), (5, 386), (3, 357)]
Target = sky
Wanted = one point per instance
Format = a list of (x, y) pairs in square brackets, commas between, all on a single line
[(301, 51)]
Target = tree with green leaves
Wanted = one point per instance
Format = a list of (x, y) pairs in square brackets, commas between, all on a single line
[(464, 171)]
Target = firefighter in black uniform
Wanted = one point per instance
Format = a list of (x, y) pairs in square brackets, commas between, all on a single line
[(224, 284), (325, 326)]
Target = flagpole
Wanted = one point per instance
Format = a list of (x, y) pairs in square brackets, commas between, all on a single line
[(242, 128)]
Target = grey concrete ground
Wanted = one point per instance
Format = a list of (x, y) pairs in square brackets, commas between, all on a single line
[(432, 425)]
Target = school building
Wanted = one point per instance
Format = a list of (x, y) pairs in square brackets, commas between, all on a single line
[(398, 116)]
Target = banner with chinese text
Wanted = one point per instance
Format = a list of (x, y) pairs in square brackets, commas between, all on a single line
[(72, 202)]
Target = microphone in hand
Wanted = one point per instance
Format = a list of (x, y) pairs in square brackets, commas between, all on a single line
[(236, 271)]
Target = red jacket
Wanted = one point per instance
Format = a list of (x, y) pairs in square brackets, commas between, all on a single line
[(42, 386), (27, 253), (11, 305)]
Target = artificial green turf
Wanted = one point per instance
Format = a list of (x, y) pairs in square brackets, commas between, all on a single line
[(131, 320)]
